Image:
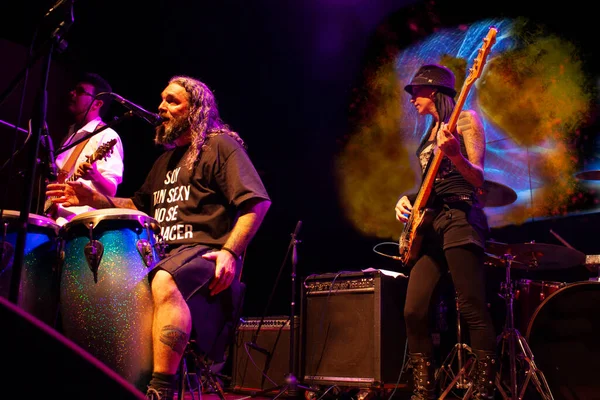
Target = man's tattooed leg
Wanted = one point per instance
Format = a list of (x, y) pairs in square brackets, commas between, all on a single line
[(174, 337)]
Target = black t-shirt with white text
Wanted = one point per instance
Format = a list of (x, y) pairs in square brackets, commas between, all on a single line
[(200, 206)]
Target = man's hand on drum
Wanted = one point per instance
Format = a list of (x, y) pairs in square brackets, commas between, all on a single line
[(403, 209), (224, 271), (70, 193)]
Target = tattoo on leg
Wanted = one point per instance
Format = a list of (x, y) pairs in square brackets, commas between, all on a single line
[(174, 337)]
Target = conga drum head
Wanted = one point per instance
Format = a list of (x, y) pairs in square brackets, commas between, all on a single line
[(97, 216), (564, 336), (34, 221), (38, 284)]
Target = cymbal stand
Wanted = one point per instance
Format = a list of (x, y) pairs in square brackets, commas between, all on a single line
[(459, 354), (510, 338)]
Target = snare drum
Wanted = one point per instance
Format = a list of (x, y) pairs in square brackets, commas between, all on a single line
[(106, 303), (38, 288), (564, 337), (528, 296)]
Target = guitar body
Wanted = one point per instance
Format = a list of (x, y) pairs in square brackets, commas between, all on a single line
[(411, 239)]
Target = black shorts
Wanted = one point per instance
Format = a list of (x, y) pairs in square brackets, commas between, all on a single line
[(459, 224), (214, 318)]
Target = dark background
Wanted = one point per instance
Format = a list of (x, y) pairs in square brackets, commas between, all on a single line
[(283, 73)]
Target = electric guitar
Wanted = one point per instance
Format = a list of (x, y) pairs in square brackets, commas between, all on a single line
[(412, 235), (102, 153)]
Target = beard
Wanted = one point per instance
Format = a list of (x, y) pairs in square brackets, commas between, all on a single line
[(168, 132)]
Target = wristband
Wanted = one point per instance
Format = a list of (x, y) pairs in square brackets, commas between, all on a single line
[(227, 249)]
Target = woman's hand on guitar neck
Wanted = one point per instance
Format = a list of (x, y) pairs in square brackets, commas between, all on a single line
[(448, 142), (70, 193), (403, 209)]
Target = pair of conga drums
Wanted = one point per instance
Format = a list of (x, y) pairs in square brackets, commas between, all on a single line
[(89, 279)]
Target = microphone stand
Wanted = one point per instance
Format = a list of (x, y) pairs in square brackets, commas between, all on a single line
[(252, 344), (291, 385), (38, 122), (109, 124), (46, 49)]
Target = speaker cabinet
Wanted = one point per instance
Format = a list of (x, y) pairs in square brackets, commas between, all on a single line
[(353, 331), (251, 366)]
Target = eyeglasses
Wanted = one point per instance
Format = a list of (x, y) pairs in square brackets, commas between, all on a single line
[(81, 91)]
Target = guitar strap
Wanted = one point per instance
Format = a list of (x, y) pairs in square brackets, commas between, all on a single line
[(74, 156), (77, 151), (49, 208)]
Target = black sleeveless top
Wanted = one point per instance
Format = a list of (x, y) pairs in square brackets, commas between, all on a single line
[(448, 181)]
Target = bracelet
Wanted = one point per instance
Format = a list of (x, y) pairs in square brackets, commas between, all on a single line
[(227, 249)]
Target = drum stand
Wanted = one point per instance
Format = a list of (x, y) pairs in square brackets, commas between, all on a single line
[(200, 365), (458, 353), (510, 338)]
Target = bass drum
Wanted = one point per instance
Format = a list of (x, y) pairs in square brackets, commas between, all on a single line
[(564, 336)]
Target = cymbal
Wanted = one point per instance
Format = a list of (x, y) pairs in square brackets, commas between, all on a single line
[(533, 256), (497, 261), (494, 194), (588, 175)]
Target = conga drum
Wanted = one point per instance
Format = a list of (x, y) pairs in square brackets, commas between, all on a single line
[(105, 300), (38, 285)]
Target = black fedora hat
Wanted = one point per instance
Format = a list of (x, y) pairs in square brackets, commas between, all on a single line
[(434, 75)]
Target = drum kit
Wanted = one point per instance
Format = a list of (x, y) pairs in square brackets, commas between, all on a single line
[(540, 305), (88, 279)]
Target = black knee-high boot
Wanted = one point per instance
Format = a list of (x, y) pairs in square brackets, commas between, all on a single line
[(485, 375), (423, 377)]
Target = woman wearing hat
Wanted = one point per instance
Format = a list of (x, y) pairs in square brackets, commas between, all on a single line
[(455, 240)]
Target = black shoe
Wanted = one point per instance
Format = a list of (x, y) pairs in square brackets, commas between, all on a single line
[(159, 393)]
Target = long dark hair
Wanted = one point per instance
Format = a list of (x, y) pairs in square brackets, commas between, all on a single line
[(444, 104), (204, 118)]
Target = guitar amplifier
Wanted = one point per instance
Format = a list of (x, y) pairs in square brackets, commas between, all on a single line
[(353, 331), (255, 370)]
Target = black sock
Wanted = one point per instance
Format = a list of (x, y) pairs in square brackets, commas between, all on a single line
[(162, 380)]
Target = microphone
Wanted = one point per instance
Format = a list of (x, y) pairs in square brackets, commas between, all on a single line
[(55, 6), (256, 347), (297, 230), (46, 141), (152, 118), (53, 169), (295, 241)]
